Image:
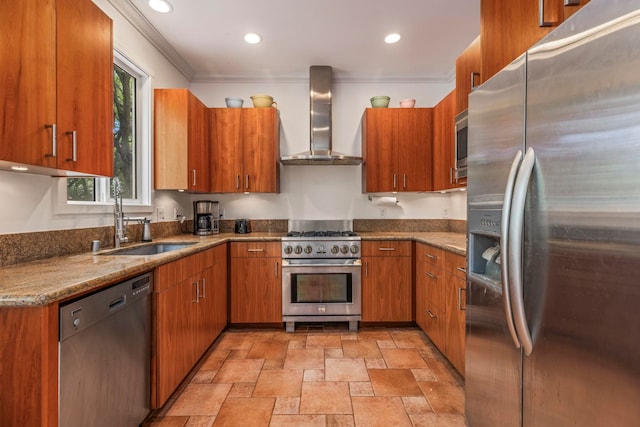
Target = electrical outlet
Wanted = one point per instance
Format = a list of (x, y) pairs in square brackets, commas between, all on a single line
[(445, 213), (175, 213), (383, 212), (160, 213), (221, 213)]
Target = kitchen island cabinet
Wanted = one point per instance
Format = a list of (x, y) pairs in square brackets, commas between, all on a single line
[(181, 148), (256, 282), (386, 281), (189, 295), (57, 85), (245, 144), (397, 149)]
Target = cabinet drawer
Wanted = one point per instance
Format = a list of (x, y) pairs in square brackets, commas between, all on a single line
[(256, 249), (456, 265), (374, 248), (431, 255)]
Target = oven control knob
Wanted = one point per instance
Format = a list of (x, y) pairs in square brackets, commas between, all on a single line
[(344, 249), (354, 249), (335, 249), (298, 250), (321, 249), (288, 250), (308, 249)]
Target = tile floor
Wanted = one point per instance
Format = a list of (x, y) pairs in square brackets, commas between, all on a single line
[(318, 377)]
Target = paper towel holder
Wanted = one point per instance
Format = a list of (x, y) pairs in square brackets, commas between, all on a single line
[(383, 200)]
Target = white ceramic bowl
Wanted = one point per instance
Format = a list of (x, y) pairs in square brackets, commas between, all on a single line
[(234, 102), (407, 103)]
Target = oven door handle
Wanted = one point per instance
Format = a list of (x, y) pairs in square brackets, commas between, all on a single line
[(287, 265)]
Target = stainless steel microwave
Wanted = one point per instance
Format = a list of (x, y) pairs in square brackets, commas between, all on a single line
[(461, 145)]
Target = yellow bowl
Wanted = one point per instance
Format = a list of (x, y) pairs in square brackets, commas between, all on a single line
[(263, 101)]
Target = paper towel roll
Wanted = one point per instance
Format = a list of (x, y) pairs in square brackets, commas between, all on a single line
[(384, 201)]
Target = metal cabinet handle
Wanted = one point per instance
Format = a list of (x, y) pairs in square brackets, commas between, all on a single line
[(74, 146), (277, 264), (386, 249), (246, 182), (473, 79), (404, 180), (204, 288), (194, 177), (366, 268), (460, 290), (54, 140), (572, 2), (196, 285), (431, 256), (462, 269), (255, 250), (394, 181), (237, 182), (541, 20), (431, 275), (433, 316)]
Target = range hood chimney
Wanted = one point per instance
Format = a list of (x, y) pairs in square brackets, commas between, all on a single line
[(320, 152)]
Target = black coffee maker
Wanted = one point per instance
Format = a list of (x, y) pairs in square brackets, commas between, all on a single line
[(205, 217)]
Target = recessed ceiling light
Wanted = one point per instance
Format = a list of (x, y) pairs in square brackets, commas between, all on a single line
[(252, 38), (161, 6), (392, 38)]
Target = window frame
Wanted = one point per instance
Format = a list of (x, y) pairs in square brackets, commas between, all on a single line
[(105, 202)]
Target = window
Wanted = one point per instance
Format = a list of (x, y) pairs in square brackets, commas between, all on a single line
[(131, 151)]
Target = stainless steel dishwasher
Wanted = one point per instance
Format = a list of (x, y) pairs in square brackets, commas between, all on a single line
[(105, 356)]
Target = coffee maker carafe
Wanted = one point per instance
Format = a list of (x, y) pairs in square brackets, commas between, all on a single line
[(205, 217)]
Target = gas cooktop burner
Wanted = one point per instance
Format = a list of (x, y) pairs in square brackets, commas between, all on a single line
[(321, 233)]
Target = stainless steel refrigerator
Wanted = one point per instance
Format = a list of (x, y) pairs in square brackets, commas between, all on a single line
[(553, 302)]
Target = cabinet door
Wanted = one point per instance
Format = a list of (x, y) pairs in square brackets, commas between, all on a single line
[(261, 150), (421, 286), (256, 290), (84, 88), (468, 67), (415, 156), (226, 144), (27, 81), (435, 308), (380, 150), (175, 336), (220, 288), (444, 143), (455, 309), (198, 157)]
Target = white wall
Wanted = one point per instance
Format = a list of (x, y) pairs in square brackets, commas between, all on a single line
[(328, 192), (313, 192)]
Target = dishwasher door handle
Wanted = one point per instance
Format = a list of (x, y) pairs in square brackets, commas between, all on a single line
[(117, 303)]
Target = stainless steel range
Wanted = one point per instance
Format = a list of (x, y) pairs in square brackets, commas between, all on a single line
[(321, 278)]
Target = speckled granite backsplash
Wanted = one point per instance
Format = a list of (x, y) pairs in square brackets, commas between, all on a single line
[(25, 247)]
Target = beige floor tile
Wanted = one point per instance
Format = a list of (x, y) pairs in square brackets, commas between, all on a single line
[(442, 370), (242, 390), (406, 358), (239, 371), (374, 334), (380, 412), (324, 341), (361, 388), (268, 350), (238, 354), (297, 343), (215, 360), (349, 336), (304, 358), (444, 398), (200, 421), (279, 383), (298, 421), (333, 353), (409, 339), (287, 405), (245, 411), (375, 363), (273, 364), (203, 377), (364, 349), (394, 382), (416, 405), (325, 398), (437, 420), (314, 375), (236, 340), (200, 399), (424, 374), (334, 420), (167, 422), (345, 369), (386, 343)]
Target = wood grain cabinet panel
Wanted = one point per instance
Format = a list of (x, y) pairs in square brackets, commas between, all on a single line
[(468, 74), (397, 149), (444, 145), (455, 306), (58, 71), (245, 150), (387, 292)]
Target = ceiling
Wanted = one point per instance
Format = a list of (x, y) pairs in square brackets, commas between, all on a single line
[(204, 38)]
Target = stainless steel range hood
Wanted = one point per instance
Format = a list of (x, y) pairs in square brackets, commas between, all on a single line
[(320, 152)]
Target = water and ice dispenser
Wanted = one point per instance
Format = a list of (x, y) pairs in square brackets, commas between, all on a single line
[(484, 244)]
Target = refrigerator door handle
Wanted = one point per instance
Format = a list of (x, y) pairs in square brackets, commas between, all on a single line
[(504, 253), (515, 249)]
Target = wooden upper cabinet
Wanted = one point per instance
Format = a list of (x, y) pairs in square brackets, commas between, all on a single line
[(397, 149), (181, 142), (444, 145), (468, 69), (508, 28), (61, 77), (245, 150)]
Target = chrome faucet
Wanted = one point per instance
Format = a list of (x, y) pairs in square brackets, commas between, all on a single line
[(120, 232)]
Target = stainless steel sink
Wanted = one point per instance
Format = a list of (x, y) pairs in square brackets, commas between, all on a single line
[(152, 249)]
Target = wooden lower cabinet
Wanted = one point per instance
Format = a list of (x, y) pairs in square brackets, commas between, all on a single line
[(440, 300), (386, 281), (256, 282), (190, 299)]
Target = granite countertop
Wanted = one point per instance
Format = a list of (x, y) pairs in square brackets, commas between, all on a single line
[(55, 279)]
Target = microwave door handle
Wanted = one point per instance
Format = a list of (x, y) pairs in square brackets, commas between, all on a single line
[(515, 250), (504, 252)]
